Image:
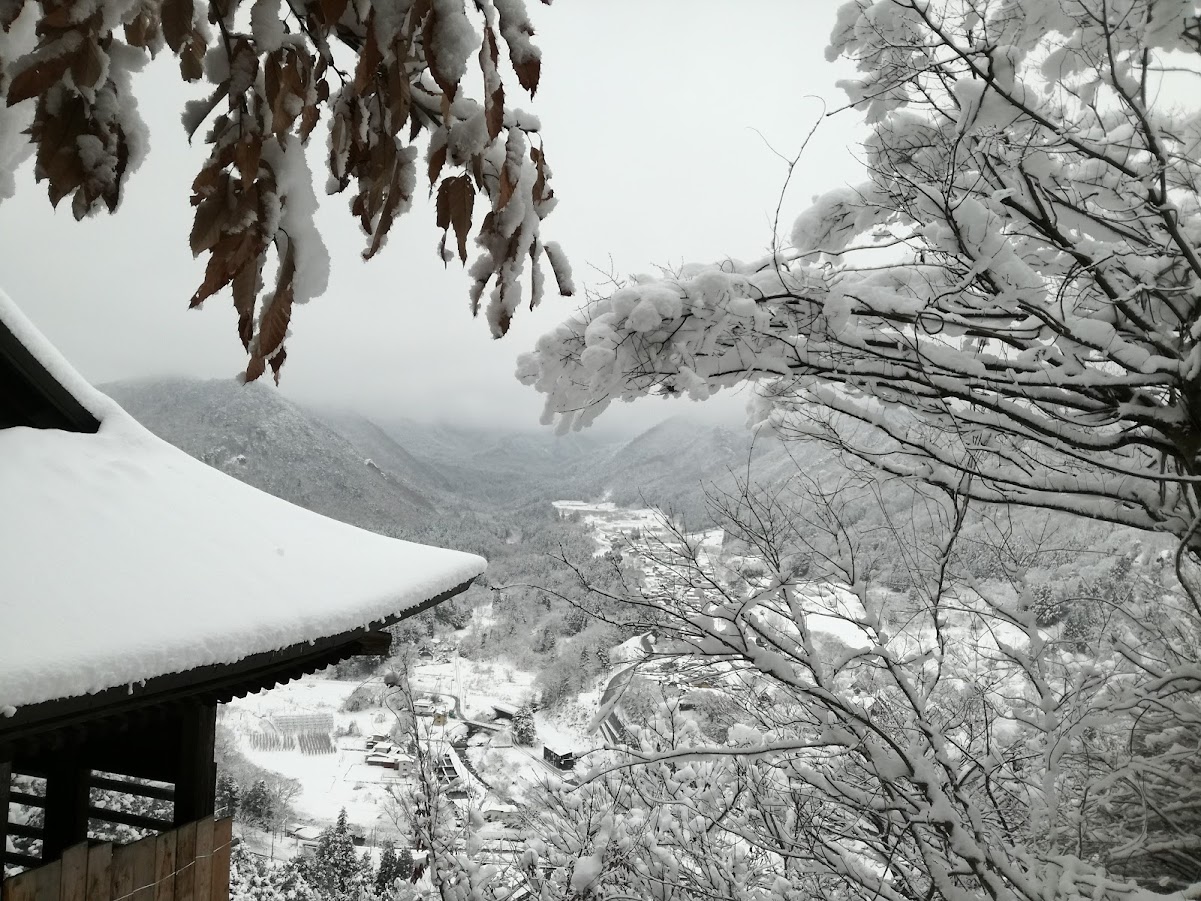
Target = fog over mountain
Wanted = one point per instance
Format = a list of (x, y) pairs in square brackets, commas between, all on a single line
[(396, 476), (255, 434)]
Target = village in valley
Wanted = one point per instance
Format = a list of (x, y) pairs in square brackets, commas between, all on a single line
[(351, 744)]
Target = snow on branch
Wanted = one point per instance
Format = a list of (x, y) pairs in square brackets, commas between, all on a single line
[(1033, 332)]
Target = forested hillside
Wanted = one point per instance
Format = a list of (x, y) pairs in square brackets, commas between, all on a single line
[(256, 435)]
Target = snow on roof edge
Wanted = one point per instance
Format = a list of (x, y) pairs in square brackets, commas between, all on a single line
[(120, 502)]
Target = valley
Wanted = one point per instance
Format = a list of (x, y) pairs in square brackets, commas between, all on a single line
[(682, 590)]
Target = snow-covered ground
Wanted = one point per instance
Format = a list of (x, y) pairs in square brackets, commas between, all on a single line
[(330, 782)]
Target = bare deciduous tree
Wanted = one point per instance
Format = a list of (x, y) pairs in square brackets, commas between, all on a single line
[(927, 742)]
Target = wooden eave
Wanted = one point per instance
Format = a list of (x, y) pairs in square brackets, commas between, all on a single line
[(31, 396), (51, 724)]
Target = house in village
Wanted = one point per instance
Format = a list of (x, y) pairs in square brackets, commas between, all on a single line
[(559, 755), (138, 590)]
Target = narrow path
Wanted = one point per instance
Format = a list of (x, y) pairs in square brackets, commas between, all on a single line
[(469, 767)]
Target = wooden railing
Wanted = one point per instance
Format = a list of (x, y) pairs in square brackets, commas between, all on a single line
[(189, 863)]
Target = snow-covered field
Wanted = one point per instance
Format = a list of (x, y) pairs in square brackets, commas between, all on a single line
[(328, 782)]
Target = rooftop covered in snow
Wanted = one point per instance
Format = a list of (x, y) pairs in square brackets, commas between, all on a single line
[(123, 560)]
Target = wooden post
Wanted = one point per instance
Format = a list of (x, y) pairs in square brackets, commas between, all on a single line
[(66, 803), (74, 882), (164, 867), (185, 863), (100, 873), (196, 779), (223, 833)]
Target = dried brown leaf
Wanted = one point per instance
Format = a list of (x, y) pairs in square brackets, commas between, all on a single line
[(448, 85), (216, 276), (277, 363), (9, 10), (88, 64), (309, 117), (494, 111), (436, 162), (273, 324), (387, 214), (245, 291), (243, 67), (399, 94), (56, 15), (528, 72), (212, 215), (191, 61), (36, 79), (247, 154), (456, 201), (369, 59), (477, 171), (507, 184), (64, 173), (176, 16), (140, 31), (255, 368), (539, 188), (332, 10)]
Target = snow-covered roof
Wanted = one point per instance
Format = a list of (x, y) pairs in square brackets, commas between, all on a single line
[(123, 559)]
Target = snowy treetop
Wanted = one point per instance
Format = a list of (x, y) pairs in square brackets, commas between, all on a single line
[(1020, 273)]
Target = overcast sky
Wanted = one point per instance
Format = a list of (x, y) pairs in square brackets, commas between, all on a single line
[(655, 115)]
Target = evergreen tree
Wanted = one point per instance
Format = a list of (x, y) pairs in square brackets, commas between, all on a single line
[(366, 870), (252, 879), (227, 796), (335, 870), (524, 731), (404, 865), (387, 872), (256, 805)]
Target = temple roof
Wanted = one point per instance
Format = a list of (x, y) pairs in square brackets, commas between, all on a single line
[(123, 559)]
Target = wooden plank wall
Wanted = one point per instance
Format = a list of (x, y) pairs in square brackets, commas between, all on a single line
[(190, 863)]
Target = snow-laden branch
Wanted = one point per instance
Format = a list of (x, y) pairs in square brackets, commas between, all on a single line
[(1033, 333)]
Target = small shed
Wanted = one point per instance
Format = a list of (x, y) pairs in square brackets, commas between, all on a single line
[(305, 833), (559, 755), (140, 588)]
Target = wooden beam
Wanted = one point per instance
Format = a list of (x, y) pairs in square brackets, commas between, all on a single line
[(34, 397), (377, 643), (17, 859), (136, 820), (196, 771), (66, 803), (24, 831), (133, 788)]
